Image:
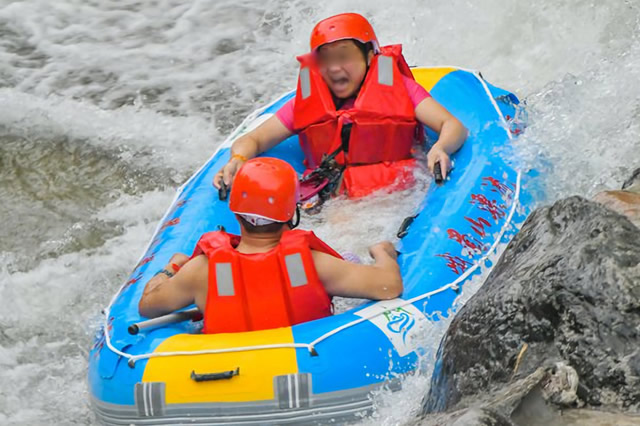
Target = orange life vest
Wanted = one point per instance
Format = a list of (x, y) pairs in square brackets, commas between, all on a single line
[(260, 291), (384, 126)]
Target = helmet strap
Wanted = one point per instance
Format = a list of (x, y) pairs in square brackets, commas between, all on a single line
[(295, 220)]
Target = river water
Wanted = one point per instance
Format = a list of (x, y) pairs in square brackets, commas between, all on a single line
[(107, 106)]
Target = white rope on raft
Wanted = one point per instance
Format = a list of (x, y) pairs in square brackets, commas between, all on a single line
[(311, 346)]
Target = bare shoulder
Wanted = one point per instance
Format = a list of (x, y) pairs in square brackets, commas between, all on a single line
[(195, 272), (329, 266), (320, 258)]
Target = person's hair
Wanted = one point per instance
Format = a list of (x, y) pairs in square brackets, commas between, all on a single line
[(365, 48), (262, 229)]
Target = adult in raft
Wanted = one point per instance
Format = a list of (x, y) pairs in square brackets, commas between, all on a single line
[(356, 103), (270, 275)]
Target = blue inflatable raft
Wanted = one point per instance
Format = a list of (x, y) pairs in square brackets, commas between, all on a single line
[(324, 370)]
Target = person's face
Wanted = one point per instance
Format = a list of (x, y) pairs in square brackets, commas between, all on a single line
[(342, 67)]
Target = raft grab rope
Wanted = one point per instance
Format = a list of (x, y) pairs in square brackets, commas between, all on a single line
[(132, 359)]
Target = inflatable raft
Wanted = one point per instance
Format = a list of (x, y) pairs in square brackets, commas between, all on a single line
[(324, 370)]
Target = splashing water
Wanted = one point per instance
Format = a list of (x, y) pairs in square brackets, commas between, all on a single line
[(107, 106)]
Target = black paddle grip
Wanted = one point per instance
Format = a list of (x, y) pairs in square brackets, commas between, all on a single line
[(437, 173), (223, 192)]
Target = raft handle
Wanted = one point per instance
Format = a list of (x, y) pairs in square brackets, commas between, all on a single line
[(406, 223), (214, 376), (175, 317), (223, 192), (437, 173)]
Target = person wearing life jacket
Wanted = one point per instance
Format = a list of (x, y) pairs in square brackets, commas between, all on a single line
[(357, 107), (270, 275)]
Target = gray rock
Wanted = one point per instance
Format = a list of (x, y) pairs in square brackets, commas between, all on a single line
[(482, 417), (478, 416), (566, 289), (519, 403)]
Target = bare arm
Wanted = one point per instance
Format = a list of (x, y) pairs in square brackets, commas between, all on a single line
[(163, 294), (452, 133), (380, 281), (265, 136)]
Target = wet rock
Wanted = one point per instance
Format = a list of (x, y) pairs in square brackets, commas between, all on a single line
[(478, 416), (518, 403), (566, 290), (482, 417), (561, 387)]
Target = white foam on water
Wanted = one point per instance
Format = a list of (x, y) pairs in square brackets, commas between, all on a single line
[(48, 317), (163, 82), (137, 134), (377, 216)]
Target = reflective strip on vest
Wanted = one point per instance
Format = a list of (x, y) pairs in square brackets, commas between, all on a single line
[(385, 70), (224, 279), (295, 269), (305, 82)]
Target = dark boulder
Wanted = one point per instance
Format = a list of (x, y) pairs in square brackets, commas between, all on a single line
[(566, 289)]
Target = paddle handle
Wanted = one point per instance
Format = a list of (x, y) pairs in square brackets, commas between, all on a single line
[(190, 314), (437, 173)]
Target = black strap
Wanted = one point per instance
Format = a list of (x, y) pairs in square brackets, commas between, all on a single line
[(324, 170), (345, 136), (294, 224), (214, 376), (406, 223)]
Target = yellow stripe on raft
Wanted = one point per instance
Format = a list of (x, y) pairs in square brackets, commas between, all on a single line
[(429, 77), (257, 368)]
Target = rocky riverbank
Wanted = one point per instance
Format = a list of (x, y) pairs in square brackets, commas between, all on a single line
[(555, 330)]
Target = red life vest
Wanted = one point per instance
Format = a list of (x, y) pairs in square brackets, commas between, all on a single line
[(261, 291), (384, 125)]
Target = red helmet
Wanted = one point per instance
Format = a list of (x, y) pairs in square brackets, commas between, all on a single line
[(342, 27), (265, 188)]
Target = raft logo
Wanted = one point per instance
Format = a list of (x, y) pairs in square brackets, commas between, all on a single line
[(400, 321), (403, 326)]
